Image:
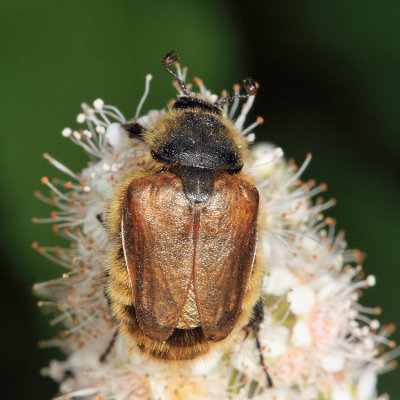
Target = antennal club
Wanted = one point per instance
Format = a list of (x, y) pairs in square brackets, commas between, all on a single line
[(169, 59), (251, 88)]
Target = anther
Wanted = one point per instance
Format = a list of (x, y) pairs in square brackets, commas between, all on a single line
[(66, 132), (77, 135), (98, 104), (198, 81), (374, 324), (377, 311), (330, 221), (371, 280), (81, 118), (311, 183), (236, 87), (87, 133), (251, 137), (359, 256)]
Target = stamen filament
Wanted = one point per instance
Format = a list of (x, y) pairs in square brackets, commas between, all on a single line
[(144, 97)]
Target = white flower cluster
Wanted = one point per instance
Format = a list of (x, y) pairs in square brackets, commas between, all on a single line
[(318, 342)]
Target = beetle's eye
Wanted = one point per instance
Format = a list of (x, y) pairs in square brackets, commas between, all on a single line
[(158, 158), (235, 170)]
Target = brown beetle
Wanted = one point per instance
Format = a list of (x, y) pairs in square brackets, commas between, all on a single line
[(183, 275)]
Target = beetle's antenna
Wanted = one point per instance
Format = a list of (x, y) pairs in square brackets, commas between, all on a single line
[(169, 59), (251, 89)]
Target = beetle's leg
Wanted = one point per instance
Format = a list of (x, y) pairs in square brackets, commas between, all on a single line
[(269, 380), (254, 327), (109, 347)]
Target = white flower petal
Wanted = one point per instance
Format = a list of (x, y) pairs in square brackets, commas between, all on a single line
[(341, 393), (301, 336), (301, 299), (245, 358), (333, 363), (281, 394), (206, 364), (117, 137), (279, 281), (366, 387), (274, 339)]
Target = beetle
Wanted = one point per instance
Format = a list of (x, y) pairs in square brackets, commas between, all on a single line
[(183, 276)]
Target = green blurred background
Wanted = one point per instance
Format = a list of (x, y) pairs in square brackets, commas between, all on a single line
[(330, 84)]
